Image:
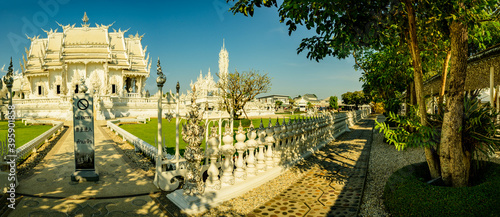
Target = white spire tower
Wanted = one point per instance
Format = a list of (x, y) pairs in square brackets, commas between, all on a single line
[(223, 61)]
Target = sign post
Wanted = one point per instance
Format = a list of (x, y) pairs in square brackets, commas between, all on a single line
[(83, 128)]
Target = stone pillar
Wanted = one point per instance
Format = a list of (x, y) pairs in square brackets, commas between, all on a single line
[(228, 152), (213, 181), (270, 141), (251, 145), (261, 165), (241, 147)]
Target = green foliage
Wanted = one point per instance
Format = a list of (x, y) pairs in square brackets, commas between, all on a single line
[(405, 194), (278, 103), (478, 131), (356, 98), (386, 74), (309, 105), (239, 88), (333, 101), (409, 133)]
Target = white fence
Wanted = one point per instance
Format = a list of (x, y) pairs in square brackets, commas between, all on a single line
[(256, 157), (139, 144), (31, 146)]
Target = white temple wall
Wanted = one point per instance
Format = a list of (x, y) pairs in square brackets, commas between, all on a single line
[(115, 77), (94, 76), (35, 83), (55, 77), (75, 72)]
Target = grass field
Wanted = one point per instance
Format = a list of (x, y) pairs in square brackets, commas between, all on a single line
[(23, 133), (148, 132)]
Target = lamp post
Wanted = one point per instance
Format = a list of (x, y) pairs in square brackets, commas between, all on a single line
[(160, 80), (177, 117)]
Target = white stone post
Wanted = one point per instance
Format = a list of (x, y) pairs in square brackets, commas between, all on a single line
[(241, 147), (277, 147), (269, 141), (261, 165), (177, 121), (228, 151), (289, 137), (213, 181), (251, 145), (160, 80)]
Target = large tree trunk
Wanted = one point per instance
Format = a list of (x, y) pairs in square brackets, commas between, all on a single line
[(443, 82), (455, 161), (419, 84)]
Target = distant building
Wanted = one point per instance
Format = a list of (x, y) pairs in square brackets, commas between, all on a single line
[(302, 101), (272, 99)]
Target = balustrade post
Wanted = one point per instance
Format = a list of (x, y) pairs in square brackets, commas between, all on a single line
[(241, 147), (289, 129), (213, 181), (270, 141), (277, 147), (228, 152), (261, 165), (251, 144)]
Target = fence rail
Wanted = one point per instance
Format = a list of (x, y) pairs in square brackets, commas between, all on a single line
[(139, 144), (257, 156), (31, 146)]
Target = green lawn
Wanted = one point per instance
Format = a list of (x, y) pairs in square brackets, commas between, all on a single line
[(23, 133), (148, 132)]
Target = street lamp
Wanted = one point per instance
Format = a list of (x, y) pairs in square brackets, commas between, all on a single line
[(160, 80)]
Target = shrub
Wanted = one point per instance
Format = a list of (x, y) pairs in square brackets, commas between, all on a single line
[(407, 194)]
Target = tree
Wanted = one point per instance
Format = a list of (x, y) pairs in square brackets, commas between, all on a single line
[(309, 105), (239, 88), (344, 27), (278, 103), (334, 104), (356, 98)]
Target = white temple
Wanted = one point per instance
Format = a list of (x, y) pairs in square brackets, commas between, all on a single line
[(114, 68), (110, 63)]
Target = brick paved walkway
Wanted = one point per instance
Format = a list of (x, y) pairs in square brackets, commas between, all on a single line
[(335, 181)]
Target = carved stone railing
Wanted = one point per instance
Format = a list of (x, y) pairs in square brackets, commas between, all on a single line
[(31, 146), (139, 144), (257, 156), (133, 95)]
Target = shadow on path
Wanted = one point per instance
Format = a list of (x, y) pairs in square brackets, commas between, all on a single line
[(334, 182)]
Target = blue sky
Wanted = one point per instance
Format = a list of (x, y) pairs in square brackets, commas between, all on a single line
[(187, 36)]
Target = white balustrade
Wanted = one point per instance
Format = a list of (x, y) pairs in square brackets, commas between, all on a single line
[(228, 151), (251, 145), (261, 165), (213, 181), (286, 144), (277, 154), (241, 147), (270, 141)]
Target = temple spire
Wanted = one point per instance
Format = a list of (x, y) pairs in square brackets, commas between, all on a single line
[(85, 19)]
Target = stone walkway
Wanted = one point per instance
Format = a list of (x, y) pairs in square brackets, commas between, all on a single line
[(332, 186), (121, 190), (335, 181)]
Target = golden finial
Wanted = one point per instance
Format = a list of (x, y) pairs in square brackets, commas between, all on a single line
[(85, 19)]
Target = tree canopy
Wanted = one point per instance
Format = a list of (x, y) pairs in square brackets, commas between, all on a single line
[(432, 31), (239, 88), (333, 102), (357, 98)]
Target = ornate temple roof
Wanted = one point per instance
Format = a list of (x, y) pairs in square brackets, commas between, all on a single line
[(86, 44)]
